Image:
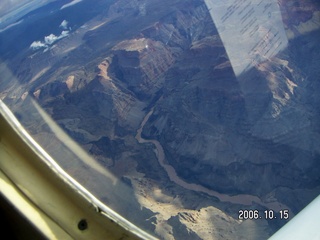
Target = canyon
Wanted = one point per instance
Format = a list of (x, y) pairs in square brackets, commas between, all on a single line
[(147, 89)]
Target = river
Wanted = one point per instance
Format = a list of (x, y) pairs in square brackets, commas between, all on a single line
[(243, 199)]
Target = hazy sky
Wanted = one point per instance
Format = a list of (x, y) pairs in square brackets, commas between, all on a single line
[(9, 5), (11, 10)]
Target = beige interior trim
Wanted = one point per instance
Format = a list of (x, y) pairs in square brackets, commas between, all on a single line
[(40, 221), (59, 209)]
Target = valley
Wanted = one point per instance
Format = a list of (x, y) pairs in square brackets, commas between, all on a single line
[(146, 88)]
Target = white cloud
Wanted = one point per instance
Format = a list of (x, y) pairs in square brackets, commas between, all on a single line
[(64, 24), (70, 4), (37, 44), (63, 34), (51, 38), (48, 40)]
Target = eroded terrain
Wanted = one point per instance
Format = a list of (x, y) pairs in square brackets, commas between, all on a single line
[(147, 89)]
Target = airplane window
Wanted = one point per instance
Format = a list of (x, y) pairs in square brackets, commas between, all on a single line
[(193, 119)]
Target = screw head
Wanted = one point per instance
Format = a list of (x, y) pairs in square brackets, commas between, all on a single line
[(83, 224)]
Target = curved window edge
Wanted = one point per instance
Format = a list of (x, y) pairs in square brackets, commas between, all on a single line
[(44, 186)]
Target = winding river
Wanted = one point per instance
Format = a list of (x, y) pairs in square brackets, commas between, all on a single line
[(243, 199)]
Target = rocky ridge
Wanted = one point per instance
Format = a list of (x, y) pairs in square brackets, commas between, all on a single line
[(258, 134)]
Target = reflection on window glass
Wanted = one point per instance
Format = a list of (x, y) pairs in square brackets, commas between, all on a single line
[(200, 117)]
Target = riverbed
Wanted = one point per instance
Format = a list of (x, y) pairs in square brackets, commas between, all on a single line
[(243, 199)]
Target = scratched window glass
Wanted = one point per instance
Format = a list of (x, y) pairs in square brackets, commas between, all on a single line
[(193, 119)]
